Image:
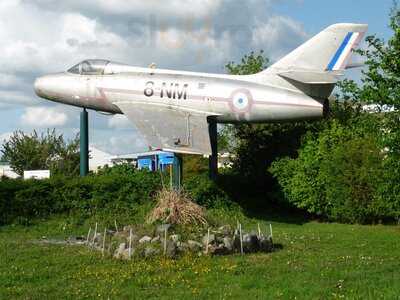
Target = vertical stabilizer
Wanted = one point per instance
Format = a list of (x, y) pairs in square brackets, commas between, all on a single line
[(328, 51)]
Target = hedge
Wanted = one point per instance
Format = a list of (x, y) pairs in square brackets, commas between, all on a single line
[(22, 201), (114, 192)]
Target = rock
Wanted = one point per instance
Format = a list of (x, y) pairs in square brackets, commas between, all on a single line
[(125, 254), (78, 240), (161, 228), (155, 240), (218, 250), (98, 238), (119, 251), (210, 239), (145, 239), (150, 251), (228, 244), (194, 246), (236, 242), (121, 234), (210, 250), (225, 230), (172, 249), (175, 238), (266, 244), (250, 243), (182, 247), (128, 228)]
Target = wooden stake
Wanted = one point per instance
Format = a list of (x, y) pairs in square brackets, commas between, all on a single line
[(130, 243), (165, 241), (272, 239), (208, 240), (241, 239), (104, 241), (95, 233), (88, 236), (116, 227), (259, 230), (170, 177)]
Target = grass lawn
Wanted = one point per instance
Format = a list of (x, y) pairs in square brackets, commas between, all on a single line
[(317, 261)]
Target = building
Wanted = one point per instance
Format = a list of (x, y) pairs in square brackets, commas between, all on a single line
[(153, 160), (225, 160), (7, 171), (99, 159)]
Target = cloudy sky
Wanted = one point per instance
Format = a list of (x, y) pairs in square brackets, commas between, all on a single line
[(44, 36)]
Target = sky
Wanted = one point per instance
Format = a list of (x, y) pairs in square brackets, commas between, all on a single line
[(38, 37)]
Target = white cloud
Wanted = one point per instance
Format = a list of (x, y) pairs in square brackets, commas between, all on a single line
[(5, 137), (15, 97), (278, 30), (43, 117), (9, 80), (127, 141), (136, 8)]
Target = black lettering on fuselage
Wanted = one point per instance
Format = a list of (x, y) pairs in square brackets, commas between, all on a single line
[(149, 90), (166, 90), (174, 91), (171, 91), (181, 93)]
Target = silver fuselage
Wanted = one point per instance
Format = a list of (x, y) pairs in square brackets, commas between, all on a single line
[(269, 99)]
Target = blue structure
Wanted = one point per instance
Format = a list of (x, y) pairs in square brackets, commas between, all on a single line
[(155, 161)]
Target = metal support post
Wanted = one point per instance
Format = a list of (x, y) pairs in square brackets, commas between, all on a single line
[(84, 144), (177, 171), (213, 159)]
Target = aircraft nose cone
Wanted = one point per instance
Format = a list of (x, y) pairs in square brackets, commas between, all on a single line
[(39, 86)]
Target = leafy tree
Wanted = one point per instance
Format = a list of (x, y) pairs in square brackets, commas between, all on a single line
[(250, 64), (337, 173), (381, 87), (349, 170), (46, 151), (381, 82)]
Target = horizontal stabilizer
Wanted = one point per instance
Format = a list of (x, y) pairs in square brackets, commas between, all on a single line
[(311, 77), (355, 65)]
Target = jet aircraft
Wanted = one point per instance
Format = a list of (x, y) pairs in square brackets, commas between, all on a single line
[(172, 108)]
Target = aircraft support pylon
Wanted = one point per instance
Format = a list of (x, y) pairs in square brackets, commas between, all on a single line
[(84, 143)]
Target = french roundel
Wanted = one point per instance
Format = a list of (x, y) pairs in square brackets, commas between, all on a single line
[(241, 101)]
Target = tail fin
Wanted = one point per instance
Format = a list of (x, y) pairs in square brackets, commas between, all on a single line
[(328, 51)]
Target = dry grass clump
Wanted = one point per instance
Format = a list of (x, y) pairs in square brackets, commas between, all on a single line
[(176, 207)]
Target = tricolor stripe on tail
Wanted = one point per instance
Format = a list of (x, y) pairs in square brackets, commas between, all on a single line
[(342, 55)]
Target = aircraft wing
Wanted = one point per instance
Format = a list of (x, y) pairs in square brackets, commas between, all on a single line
[(168, 129)]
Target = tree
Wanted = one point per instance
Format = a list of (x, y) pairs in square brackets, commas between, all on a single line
[(349, 170), (250, 64), (381, 86), (46, 151), (338, 172)]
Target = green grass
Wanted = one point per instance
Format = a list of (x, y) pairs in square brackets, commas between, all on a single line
[(317, 261)]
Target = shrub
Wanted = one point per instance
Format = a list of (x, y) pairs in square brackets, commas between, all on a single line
[(337, 176), (8, 190), (176, 207), (207, 193), (114, 192), (93, 195)]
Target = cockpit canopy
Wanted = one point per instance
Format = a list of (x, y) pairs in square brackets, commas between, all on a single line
[(90, 67)]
